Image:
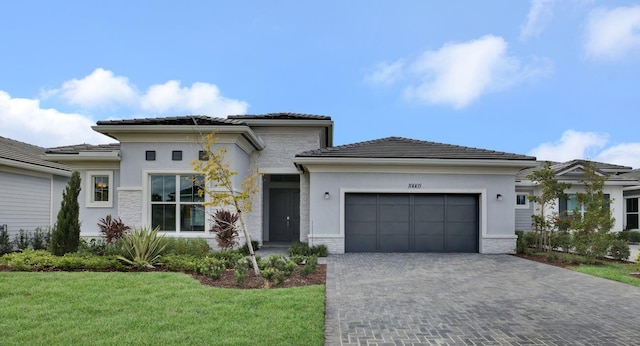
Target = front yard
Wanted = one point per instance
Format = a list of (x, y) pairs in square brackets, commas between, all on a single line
[(156, 308)]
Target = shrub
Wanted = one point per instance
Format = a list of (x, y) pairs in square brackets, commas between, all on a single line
[(634, 236), (561, 240), (303, 249), (229, 257), (240, 274), (40, 239), (224, 227), (65, 236), (6, 245), (619, 250), (310, 265), (521, 245), (112, 229), (197, 247), (143, 247), (211, 267), (180, 263), (35, 260), (244, 249), (22, 239), (276, 267)]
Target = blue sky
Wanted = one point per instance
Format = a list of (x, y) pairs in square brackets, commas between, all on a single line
[(555, 79)]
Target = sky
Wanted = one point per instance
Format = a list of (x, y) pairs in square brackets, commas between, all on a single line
[(555, 79)]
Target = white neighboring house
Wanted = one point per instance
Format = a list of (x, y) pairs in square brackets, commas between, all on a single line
[(30, 187), (631, 199), (387, 195), (618, 182)]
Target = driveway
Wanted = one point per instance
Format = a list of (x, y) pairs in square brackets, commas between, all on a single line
[(473, 299)]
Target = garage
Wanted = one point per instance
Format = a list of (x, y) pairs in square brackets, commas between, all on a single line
[(400, 222)]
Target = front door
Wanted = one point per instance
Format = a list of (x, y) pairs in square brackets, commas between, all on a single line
[(284, 215)]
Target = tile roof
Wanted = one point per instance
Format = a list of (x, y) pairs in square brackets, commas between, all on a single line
[(177, 120), (75, 149), (634, 174), (398, 147), (13, 150), (281, 116), (616, 172)]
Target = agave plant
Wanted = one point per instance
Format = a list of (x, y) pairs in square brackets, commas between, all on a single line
[(143, 247)]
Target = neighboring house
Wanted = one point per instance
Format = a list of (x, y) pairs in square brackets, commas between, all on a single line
[(631, 199), (30, 187), (618, 180), (387, 195)]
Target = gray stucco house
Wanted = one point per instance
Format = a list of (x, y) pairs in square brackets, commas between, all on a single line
[(386, 195), (620, 187), (30, 187)]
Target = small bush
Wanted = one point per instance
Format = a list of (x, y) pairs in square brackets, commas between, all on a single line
[(240, 274), (521, 245), (276, 267), (6, 245), (35, 260), (268, 273), (310, 265), (92, 247), (224, 227), (211, 267), (112, 229), (244, 249), (40, 239), (197, 247), (619, 250), (229, 257), (179, 263), (303, 249), (22, 239), (143, 247), (561, 240)]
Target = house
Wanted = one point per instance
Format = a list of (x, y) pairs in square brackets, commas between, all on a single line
[(617, 183), (631, 196), (387, 195), (30, 187)]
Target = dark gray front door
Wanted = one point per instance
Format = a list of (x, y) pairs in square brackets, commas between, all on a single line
[(411, 222), (284, 215)]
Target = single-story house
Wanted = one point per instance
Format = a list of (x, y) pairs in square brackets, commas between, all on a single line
[(30, 187), (617, 188), (631, 198), (386, 195)]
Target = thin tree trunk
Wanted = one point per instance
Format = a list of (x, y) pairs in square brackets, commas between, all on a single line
[(252, 254)]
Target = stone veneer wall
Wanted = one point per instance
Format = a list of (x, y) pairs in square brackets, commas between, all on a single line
[(499, 245), (335, 245), (130, 207)]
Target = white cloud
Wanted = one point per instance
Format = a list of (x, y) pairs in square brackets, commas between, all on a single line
[(201, 98), (540, 14), (612, 34), (100, 88), (24, 120), (588, 145), (459, 73), (386, 73)]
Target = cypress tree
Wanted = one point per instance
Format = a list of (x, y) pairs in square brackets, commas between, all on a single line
[(65, 236)]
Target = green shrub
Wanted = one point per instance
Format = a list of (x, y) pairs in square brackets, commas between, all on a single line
[(65, 236), (634, 236), (240, 274), (179, 263), (530, 239), (92, 247), (276, 267), (143, 247), (244, 249), (521, 246), (211, 267), (268, 273), (619, 250), (112, 229), (310, 265), (35, 260), (303, 249), (561, 240), (40, 239), (22, 239), (197, 247), (229, 257), (6, 245)]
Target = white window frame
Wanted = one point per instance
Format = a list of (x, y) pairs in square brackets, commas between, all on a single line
[(90, 189), (149, 203), (526, 200)]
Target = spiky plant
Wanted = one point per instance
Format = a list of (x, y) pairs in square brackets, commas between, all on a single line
[(143, 247)]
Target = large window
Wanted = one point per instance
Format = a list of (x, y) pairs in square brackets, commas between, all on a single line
[(632, 213), (99, 189), (176, 202), (571, 204)]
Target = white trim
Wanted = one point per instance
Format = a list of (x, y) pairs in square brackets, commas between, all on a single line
[(359, 161), (482, 200), (35, 168), (89, 202), (279, 170), (526, 199)]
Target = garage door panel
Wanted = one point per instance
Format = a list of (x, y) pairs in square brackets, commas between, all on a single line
[(461, 200), (428, 228), (394, 212), (394, 243), (428, 199), (361, 243), (361, 199), (400, 228), (362, 228), (462, 228), (461, 243), (360, 213), (429, 213), (429, 243), (394, 199), (461, 212)]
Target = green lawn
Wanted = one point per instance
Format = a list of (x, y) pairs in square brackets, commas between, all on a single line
[(612, 271), (153, 308)]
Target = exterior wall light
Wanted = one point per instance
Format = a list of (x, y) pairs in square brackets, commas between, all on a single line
[(327, 195), (499, 197)]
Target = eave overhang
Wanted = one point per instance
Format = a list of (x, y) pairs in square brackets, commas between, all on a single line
[(34, 167)]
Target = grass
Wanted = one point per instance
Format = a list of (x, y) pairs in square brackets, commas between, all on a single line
[(612, 271), (153, 309)]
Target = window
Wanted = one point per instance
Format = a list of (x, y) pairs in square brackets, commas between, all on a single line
[(176, 155), (176, 203), (150, 155), (522, 200), (99, 189), (571, 204), (202, 155), (632, 213)]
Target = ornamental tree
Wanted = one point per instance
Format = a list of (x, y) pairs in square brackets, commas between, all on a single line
[(65, 236), (220, 190)]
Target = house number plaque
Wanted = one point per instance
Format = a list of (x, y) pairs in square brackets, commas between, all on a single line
[(415, 185)]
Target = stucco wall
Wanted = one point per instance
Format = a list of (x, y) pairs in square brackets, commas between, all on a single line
[(89, 216)]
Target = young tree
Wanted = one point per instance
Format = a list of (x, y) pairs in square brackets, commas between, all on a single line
[(545, 224), (592, 236), (220, 190), (65, 236)]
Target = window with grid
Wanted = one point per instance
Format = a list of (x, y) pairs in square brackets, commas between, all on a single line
[(176, 202), (632, 213)]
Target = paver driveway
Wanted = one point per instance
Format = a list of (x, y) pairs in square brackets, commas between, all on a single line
[(473, 299)]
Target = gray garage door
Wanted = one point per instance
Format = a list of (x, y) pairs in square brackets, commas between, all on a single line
[(386, 222)]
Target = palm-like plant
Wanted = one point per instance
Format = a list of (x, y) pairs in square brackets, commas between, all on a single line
[(143, 247)]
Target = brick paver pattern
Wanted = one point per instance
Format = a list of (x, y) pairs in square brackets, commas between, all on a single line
[(473, 299)]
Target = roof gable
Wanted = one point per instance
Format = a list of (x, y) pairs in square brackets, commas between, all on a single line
[(398, 147), (21, 154)]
